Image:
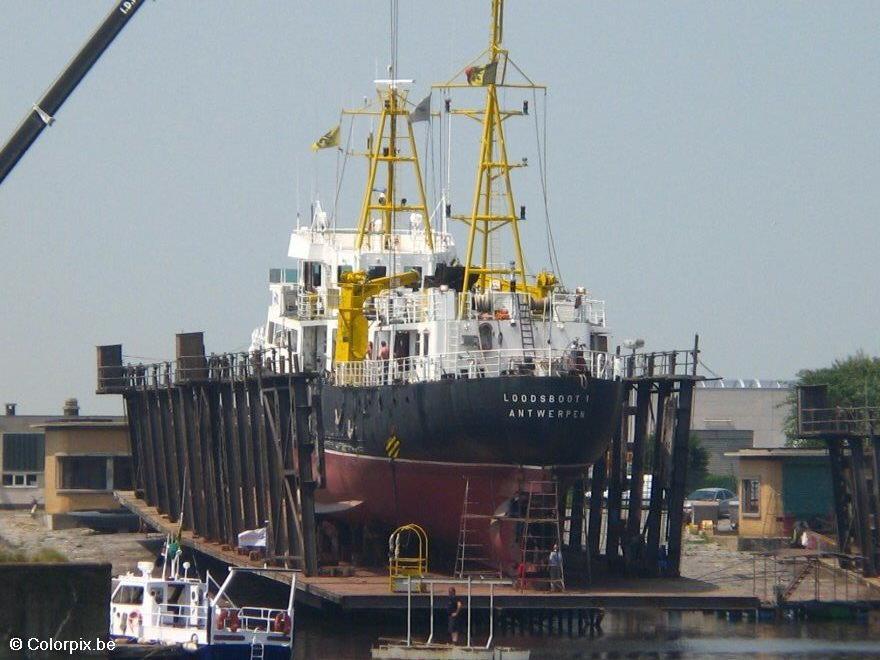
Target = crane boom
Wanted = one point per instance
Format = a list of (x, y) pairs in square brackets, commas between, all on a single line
[(44, 110)]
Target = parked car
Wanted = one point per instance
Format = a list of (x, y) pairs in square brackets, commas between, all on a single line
[(723, 497)]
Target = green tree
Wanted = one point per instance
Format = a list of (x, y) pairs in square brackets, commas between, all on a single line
[(853, 381), (698, 461)]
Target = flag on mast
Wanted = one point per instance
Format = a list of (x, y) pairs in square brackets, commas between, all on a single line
[(422, 112), (329, 139), (482, 75)]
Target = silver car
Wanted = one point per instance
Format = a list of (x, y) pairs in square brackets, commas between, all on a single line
[(723, 497)]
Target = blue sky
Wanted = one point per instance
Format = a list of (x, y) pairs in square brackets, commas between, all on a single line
[(713, 168)]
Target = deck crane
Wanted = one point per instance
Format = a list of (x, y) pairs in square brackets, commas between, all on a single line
[(354, 289), (43, 112)]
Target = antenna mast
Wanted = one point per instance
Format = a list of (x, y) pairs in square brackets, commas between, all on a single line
[(493, 206)]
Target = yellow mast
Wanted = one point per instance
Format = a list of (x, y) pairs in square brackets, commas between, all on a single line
[(386, 149), (493, 206)]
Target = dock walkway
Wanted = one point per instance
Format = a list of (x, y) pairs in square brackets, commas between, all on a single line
[(368, 590)]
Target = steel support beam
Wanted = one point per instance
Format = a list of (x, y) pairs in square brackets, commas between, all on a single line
[(160, 451), (864, 529), (615, 482), (189, 420), (679, 471), (841, 497), (246, 452), (576, 519), (232, 459), (633, 540), (658, 479), (597, 494)]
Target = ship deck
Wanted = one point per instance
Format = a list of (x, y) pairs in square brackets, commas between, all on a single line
[(367, 590)]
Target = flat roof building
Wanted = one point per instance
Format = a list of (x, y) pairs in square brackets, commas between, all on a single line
[(23, 455), (778, 487), (734, 413)]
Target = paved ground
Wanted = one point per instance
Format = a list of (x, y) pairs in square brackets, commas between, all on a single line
[(19, 531), (744, 573)]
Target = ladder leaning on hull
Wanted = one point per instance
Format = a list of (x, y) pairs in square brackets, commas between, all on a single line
[(472, 557), (541, 530)]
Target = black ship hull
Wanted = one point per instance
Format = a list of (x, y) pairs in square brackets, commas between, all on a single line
[(515, 420)]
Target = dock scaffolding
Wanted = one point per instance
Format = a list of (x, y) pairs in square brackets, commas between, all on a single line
[(614, 513), (852, 437), (225, 443)]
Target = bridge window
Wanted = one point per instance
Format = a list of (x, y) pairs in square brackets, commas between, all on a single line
[(129, 595)]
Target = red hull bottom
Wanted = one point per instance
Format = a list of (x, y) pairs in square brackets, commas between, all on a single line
[(430, 494)]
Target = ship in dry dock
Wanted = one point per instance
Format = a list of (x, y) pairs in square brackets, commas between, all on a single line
[(442, 367)]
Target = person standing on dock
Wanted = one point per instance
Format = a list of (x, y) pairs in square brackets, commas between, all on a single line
[(454, 609), (555, 562)]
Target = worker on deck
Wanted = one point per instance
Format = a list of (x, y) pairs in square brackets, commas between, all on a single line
[(384, 355), (454, 609), (555, 562)]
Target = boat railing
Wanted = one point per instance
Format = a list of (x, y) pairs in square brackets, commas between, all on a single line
[(259, 619), (179, 615), (478, 364)]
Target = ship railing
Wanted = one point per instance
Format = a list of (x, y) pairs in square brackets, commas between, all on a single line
[(478, 364), (221, 367), (179, 615), (576, 307), (561, 307), (300, 302), (408, 307)]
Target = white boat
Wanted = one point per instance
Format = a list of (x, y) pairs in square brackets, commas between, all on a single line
[(175, 608)]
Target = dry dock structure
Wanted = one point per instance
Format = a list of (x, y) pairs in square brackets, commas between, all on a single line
[(225, 443)]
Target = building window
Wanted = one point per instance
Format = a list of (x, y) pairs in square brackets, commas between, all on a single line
[(751, 496), (83, 472), (20, 479), (23, 452)]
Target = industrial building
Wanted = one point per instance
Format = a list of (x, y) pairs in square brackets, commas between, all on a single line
[(779, 487), (734, 413), (66, 462)]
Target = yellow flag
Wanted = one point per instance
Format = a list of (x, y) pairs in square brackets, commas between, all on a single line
[(329, 139), (481, 75)]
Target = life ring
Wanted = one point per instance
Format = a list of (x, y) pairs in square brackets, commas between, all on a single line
[(135, 619), (281, 623), (234, 622), (221, 619)]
